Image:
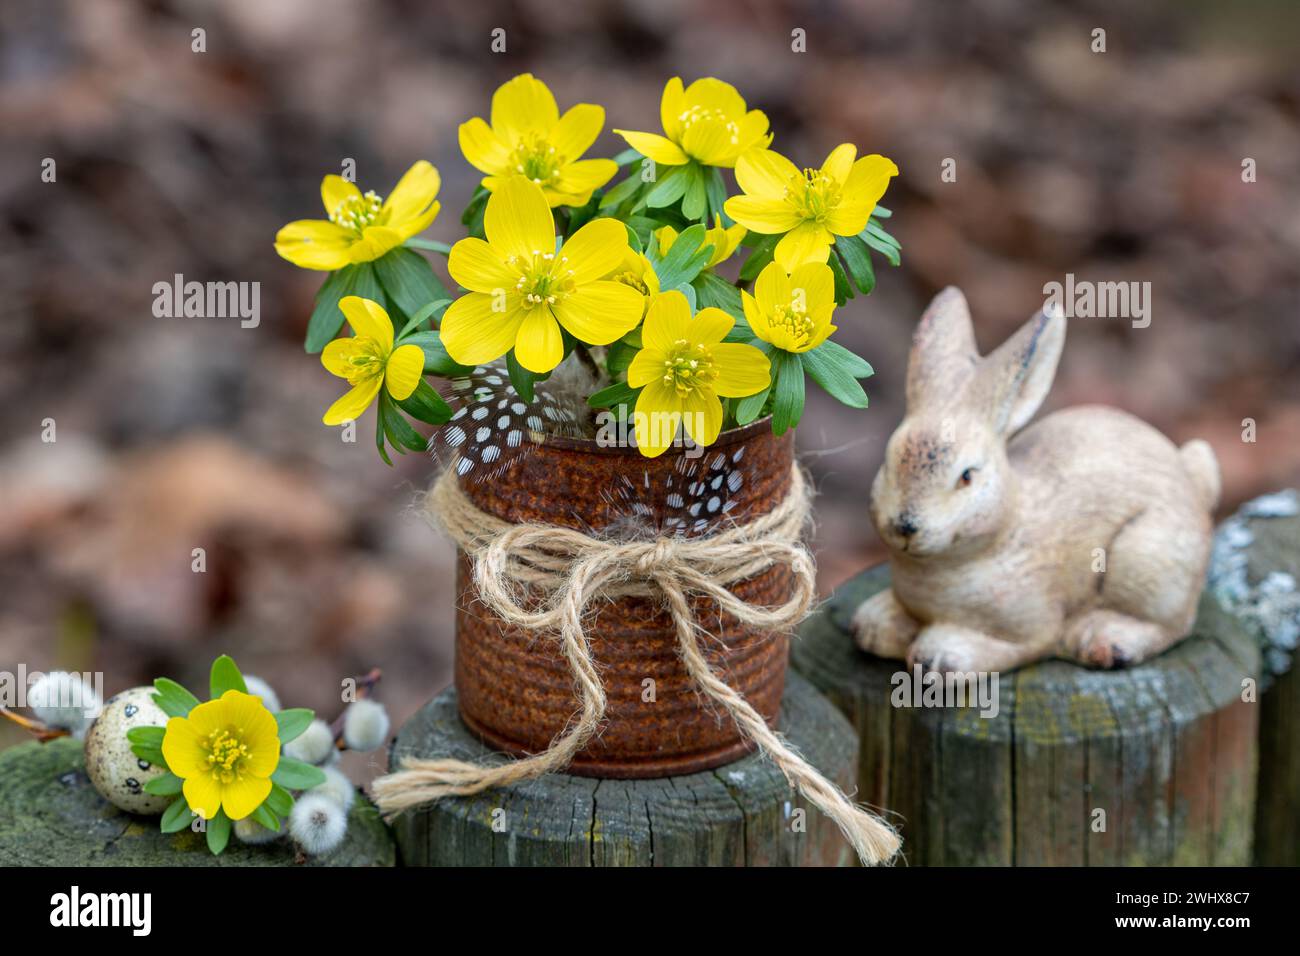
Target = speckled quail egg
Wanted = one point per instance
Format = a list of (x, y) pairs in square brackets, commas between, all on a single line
[(117, 773)]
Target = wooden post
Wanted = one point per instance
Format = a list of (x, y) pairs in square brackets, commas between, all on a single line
[(1254, 573), (1146, 766), (742, 814), (50, 815)]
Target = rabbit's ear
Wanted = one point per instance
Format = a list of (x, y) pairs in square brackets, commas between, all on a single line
[(943, 350), (1014, 379)]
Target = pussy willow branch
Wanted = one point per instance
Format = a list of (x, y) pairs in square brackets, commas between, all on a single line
[(38, 729), (365, 687)]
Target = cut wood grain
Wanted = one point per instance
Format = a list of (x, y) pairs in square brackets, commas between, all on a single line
[(742, 814), (1165, 750)]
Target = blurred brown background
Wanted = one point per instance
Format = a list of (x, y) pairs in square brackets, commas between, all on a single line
[(181, 433)]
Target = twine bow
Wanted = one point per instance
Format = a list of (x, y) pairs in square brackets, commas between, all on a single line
[(513, 563)]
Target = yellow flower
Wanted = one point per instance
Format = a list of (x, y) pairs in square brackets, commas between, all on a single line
[(528, 137), (225, 751), (706, 121), (724, 241), (361, 228), (811, 207), (367, 360), (636, 271), (523, 288), (792, 312), (682, 370)]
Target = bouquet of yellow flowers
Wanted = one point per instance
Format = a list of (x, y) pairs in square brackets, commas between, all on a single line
[(622, 283)]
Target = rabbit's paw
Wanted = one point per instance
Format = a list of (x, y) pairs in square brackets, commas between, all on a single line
[(882, 626), (1110, 640), (949, 649)]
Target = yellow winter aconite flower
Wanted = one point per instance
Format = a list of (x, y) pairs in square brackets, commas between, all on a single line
[(367, 360), (523, 288), (225, 750), (636, 271), (724, 240), (682, 370), (811, 207), (792, 312), (361, 227), (707, 122), (528, 137)]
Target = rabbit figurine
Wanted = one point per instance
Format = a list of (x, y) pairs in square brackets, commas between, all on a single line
[(1084, 536)]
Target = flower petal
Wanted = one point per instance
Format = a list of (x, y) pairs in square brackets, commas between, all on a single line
[(670, 108), (518, 219), (403, 372), (203, 794), (807, 242), (702, 416), (839, 163), (539, 346), (413, 194), (765, 173), (711, 93), (243, 795), (375, 241), (772, 287), (314, 244), (657, 418), (598, 312), (661, 150), (742, 369), (368, 317), (762, 215), (864, 188), (521, 106), (647, 366), (474, 333), (753, 132), (814, 284), (337, 354), (596, 250), (710, 326), (482, 148), (584, 176), (577, 130), (667, 320), (354, 404), (709, 141), (181, 748), (335, 190), (420, 223), (756, 317), (476, 266)]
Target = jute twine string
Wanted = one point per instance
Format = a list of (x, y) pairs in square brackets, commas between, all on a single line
[(514, 564)]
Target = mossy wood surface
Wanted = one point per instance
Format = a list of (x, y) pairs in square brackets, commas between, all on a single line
[(50, 815), (743, 814), (1166, 749), (1277, 831)]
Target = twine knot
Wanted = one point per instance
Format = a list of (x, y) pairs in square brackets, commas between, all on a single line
[(516, 565)]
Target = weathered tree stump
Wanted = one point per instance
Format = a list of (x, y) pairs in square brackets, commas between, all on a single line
[(1166, 751), (1254, 572), (50, 815), (742, 814)]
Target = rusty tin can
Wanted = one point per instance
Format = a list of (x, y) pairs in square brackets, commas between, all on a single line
[(515, 689)]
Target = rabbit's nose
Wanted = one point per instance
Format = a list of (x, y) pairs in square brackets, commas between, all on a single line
[(904, 527)]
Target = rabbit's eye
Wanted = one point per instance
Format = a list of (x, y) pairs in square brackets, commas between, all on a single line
[(966, 477)]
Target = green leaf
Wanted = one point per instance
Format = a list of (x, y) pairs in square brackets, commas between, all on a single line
[(225, 676), (749, 407), (759, 258), (882, 242), (150, 753), (379, 440), (669, 188), (279, 800), (684, 259), (432, 310), (176, 817), (620, 393), (695, 198), (788, 394), (436, 360), (880, 212), (843, 288), (618, 356), (147, 735), (716, 191), (408, 280), (426, 405), (296, 775), (397, 428), (855, 365), (428, 245), (834, 378), (628, 155), (266, 818), (472, 217), (714, 291), (218, 832), (326, 318), (173, 699), (291, 723), (857, 262), (622, 192), (521, 378), (165, 786)]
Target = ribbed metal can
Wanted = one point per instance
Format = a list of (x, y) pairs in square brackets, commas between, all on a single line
[(515, 689)]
